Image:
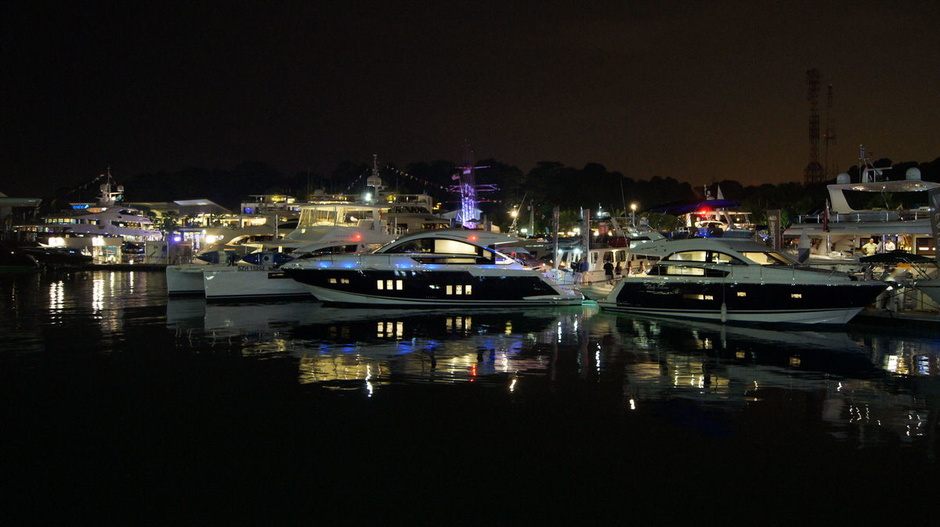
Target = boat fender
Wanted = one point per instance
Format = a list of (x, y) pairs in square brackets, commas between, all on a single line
[(724, 312)]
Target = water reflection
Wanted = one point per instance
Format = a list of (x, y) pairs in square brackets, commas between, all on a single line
[(79, 307), (343, 347), (864, 384), (861, 383)]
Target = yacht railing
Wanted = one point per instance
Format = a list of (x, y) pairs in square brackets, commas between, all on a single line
[(866, 216)]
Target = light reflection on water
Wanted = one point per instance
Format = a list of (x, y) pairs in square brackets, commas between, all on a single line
[(859, 383), (89, 304)]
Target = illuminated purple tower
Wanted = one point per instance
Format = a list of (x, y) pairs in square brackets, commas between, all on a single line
[(467, 189)]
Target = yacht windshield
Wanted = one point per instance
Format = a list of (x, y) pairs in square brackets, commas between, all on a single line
[(766, 258), (453, 251), (708, 256)]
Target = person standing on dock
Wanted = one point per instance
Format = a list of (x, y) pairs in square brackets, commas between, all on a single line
[(609, 271)]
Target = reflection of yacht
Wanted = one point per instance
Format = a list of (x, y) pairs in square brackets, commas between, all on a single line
[(748, 356), (875, 207), (449, 267), (738, 281), (346, 346)]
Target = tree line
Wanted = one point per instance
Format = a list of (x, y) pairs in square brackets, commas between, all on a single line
[(534, 193)]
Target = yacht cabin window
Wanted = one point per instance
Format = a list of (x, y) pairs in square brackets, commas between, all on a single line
[(703, 257), (766, 258)]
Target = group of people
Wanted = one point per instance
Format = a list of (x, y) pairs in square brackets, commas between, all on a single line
[(578, 268), (873, 247), (611, 272)]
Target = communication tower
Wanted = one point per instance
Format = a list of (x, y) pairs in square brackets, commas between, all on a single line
[(815, 173), (830, 135)]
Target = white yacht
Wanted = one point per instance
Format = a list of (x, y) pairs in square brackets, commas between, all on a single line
[(609, 239), (732, 280), (893, 212), (225, 245), (107, 230), (329, 221), (446, 267), (330, 227), (258, 275), (714, 217), (913, 280)]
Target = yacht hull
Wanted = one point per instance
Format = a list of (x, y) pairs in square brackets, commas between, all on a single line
[(245, 282), (425, 287), (745, 302), (185, 279)]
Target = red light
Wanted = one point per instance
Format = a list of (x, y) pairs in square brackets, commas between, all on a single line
[(472, 237), (704, 210), (357, 237)]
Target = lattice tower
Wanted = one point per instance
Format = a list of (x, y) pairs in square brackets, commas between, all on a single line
[(815, 173)]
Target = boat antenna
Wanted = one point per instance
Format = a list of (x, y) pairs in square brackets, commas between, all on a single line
[(622, 197), (375, 180)]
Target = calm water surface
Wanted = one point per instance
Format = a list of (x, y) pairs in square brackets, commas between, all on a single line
[(123, 406)]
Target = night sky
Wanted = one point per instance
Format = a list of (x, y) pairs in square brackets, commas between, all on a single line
[(697, 91)]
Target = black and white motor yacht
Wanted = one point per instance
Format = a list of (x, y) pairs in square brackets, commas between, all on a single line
[(446, 267), (738, 281)]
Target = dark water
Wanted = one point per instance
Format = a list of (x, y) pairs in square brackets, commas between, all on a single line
[(120, 406)]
